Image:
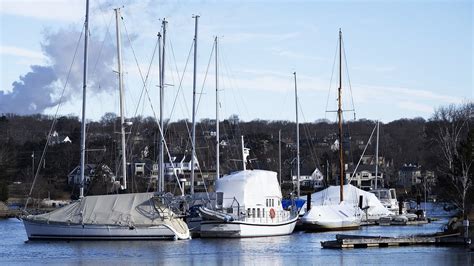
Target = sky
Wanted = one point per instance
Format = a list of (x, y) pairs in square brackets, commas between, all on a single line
[(404, 58)]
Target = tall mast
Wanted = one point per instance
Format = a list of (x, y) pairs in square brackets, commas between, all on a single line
[(122, 116), (193, 141), (84, 89), (279, 154), (339, 115), (244, 157), (160, 76), (377, 156), (217, 115), (162, 95), (297, 141)]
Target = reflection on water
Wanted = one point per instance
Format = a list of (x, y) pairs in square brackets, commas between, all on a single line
[(299, 248)]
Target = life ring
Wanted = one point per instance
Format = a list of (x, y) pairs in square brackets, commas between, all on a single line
[(272, 213)]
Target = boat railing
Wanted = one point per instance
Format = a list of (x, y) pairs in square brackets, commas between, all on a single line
[(240, 213)]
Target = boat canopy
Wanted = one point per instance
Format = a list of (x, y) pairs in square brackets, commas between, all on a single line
[(249, 187), (135, 209), (330, 196)]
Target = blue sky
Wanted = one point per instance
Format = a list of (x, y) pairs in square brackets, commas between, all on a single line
[(405, 58)]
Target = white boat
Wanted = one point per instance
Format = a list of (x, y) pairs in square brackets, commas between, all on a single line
[(248, 205), (327, 212), (388, 197), (334, 214), (138, 216), (339, 216), (119, 216)]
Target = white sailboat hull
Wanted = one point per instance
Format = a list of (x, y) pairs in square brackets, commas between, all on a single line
[(39, 230), (237, 229), (331, 217)]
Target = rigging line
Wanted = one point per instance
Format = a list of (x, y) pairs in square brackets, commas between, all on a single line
[(133, 127), (55, 118), (151, 105), (360, 159), (231, 82), (308, 135), (106, 36), (180, 84), (330, 82), (205, 77), (348, 77)]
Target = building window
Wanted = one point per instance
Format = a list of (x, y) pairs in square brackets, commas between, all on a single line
[(253, 212), (248, 212), (258, 212)]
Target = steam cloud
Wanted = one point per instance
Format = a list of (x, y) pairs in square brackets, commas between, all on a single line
[(41, 87)]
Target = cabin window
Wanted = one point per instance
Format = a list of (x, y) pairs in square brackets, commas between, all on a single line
[(266, 202), (263, 212), (278, 203), (273, 202), (253, 212), (248, 212), (258, 212)]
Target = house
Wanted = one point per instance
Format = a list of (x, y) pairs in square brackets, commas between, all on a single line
[(364, 176), (91, 171), (55, 139), (74, 177), (178, 165), (408, 175), (314, 179)]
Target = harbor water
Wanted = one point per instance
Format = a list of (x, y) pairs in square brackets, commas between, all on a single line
[(300, 248)]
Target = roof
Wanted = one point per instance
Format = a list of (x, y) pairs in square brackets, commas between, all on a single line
[(249, 187)]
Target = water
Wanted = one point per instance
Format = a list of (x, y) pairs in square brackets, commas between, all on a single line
[(299, 248)]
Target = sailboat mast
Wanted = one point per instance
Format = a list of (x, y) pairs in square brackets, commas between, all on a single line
[(244, 158), (84, 89), (217, 115), (162, 96), (193, 141), (279, 154), (122, 103), (297, 141), (377, 156), (160, 76), (339, 115)]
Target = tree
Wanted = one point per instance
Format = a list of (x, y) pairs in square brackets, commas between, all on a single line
[(455, 142)]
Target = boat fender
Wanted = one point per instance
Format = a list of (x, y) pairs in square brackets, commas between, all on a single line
[(272, 213)]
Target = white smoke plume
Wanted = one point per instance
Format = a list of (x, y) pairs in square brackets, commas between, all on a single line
[(40, 88)]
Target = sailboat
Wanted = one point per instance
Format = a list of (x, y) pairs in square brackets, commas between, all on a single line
[(334, 215), (248, 204), (120, 216)]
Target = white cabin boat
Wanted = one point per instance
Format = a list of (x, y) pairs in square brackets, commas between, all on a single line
[(388, 197), (108, 217), (248, 205), (326, 212)]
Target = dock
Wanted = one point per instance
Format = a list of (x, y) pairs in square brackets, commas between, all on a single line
[(355, 241)]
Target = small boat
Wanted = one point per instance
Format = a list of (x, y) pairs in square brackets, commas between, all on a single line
[(341, 216), (248, 205), (388, 197), (364, 205)]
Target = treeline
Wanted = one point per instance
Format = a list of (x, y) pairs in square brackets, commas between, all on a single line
[(403, 141)]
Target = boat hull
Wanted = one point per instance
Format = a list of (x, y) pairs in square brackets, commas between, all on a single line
[(330, 226), (38, 230), (238, 229)]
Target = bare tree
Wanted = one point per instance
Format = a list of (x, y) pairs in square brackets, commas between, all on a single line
[(453, 129)]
